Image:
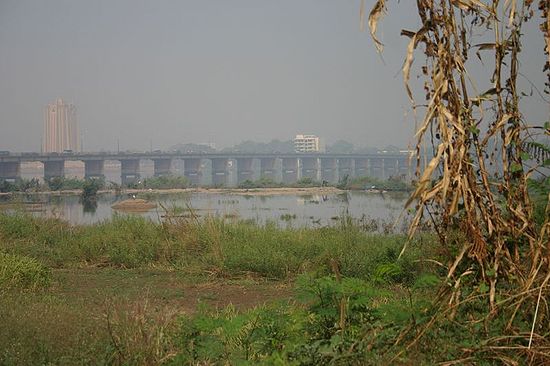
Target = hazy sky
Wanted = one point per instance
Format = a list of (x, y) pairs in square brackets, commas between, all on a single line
[(207, 71)]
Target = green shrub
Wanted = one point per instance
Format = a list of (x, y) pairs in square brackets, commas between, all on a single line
[(22, 273), (391, 184), (337, 321), (162, 182), (20, 185), (62, 183), (263, 182)]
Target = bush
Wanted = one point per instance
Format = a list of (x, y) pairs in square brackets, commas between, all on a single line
[(306, 182), (163, 182), (20, 185), (88, 197), (337, 321), (391, 184), (62, 183), (263, 182), (22, 272)]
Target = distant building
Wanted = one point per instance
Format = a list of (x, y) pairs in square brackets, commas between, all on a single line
[(307, 143), (60, 128)]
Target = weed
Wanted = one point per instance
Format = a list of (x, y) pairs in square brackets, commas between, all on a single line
[(22, 272)]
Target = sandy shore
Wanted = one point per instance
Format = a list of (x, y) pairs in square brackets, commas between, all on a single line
[(235, 191)]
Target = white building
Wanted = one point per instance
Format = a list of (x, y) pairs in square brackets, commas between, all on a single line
[(307, 143)]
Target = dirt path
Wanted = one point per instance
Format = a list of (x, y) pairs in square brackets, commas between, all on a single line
[(181, 293)]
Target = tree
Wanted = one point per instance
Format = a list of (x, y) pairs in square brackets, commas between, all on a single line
[(90, 187)]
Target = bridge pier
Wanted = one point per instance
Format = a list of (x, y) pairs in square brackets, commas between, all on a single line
[(377, 169), (162, 167), (403, 168), (310, 168), (267, 168), (94, 169), (54, 169), (290, 170), (391, 168), (329, 170), (192, 170), (346, 166), (10, 170), (361, 167), (244, 169), (129, 171), (220, 173)]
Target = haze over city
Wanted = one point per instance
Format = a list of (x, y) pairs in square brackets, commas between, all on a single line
[(168, 72)]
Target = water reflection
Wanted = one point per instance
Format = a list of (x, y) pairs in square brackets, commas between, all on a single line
[(295, 210), (89, 205)]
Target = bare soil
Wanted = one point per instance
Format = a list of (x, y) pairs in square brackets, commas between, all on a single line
[(134, 205), (177, 292)]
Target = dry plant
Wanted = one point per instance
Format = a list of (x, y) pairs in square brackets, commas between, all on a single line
[(139, 333), (476, 179)]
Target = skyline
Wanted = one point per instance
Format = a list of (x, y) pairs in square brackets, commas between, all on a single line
[(175, 72)]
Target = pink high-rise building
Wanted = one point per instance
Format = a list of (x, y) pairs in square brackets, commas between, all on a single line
[(60, 128)]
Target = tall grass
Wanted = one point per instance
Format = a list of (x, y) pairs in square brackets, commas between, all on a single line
[(22, 272), (209, 243)]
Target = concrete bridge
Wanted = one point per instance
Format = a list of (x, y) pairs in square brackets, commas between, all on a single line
[(291, 166)]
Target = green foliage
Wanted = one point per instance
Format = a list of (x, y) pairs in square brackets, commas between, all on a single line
[(338, 321), (127, 241), (306, 182), (539, 189), (62, 183), (20, 185), (263, 182), (233, 338), (391, 184), (90, 187), (353, 317), (163, 182), (287, 217), (270, 251), (343, 182), (21, 272)]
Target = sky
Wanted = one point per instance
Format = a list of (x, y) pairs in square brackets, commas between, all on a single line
[(166, 72)]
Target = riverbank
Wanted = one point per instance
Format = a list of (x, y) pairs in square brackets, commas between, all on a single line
[(235, 191)]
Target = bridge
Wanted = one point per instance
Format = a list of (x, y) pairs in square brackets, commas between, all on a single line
[(291, 166)]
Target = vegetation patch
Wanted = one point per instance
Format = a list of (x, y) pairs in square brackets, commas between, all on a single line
[(20, 272)]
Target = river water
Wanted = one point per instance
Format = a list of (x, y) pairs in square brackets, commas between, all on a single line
[(296, 210)]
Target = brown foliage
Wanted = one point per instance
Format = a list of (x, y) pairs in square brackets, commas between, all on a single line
[(476, 181)]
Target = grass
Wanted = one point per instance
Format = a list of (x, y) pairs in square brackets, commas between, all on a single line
[(18, 271), (129, 291), (186, 244)]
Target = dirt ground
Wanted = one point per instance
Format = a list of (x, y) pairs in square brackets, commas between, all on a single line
[(181, 293), (86, 311)]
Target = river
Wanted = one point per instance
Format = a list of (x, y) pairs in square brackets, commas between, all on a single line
[(296, 210)]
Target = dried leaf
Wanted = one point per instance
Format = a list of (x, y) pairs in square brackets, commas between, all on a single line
[(486, 46), (374, 16), (511, 4), (470, 5), (362, 16)]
